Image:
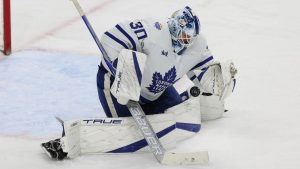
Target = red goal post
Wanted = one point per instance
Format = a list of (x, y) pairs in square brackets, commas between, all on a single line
[(5, 30)]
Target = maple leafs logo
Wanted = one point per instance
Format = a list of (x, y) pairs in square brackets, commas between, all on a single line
[(160, 83)]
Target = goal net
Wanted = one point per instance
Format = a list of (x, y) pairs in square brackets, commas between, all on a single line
[(5, 29)]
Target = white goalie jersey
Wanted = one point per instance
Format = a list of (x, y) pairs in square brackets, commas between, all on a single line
[(163, 66)]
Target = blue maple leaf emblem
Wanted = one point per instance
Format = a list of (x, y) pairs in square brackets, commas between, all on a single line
[(160, 83)]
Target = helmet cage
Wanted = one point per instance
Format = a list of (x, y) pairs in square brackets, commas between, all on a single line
[(187, 26)]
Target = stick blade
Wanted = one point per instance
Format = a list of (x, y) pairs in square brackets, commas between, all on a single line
[(185, 158)]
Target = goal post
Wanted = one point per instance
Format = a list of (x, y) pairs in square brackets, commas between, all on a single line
[(5, 27)]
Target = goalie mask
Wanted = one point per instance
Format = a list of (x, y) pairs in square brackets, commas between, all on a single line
[(184, 26)]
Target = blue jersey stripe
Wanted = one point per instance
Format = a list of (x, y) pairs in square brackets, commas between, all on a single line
[(203, 62), (137, 68), (193, 78), (116, 39), (201, 74), (127, 35)]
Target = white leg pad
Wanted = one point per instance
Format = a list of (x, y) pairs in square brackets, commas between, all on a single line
[(119, 135)]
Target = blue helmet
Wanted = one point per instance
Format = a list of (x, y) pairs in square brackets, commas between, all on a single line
[(184, 26)]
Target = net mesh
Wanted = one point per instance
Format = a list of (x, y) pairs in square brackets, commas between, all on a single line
[(1, 26)]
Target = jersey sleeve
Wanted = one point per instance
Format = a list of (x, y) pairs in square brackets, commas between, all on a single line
[(121, 36), (196, 73)]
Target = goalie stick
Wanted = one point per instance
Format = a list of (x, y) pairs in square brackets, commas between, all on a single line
[(141, 120)]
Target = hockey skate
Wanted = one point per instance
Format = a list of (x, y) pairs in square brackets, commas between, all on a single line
[(54, 150)]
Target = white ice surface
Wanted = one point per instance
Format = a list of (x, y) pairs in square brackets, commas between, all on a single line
[(52, 72)]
